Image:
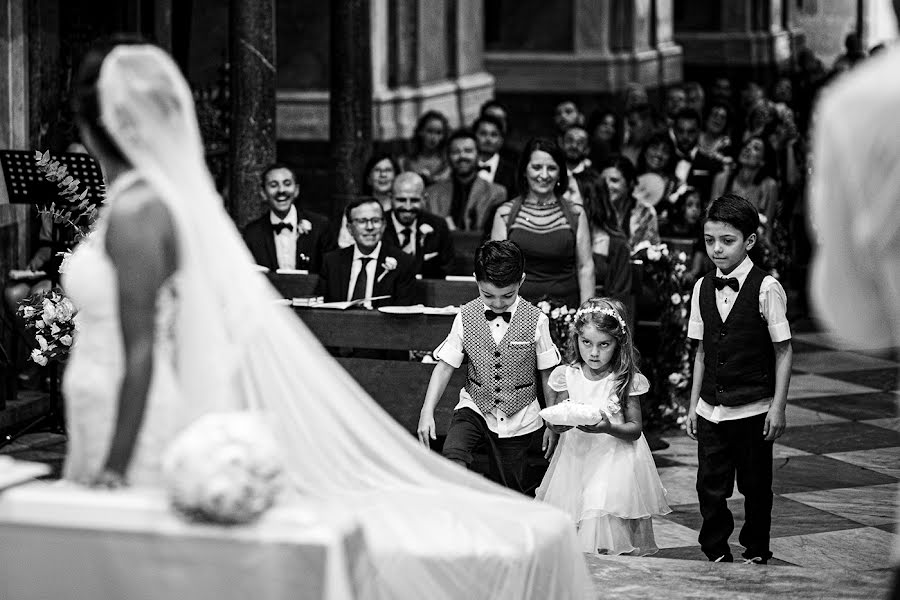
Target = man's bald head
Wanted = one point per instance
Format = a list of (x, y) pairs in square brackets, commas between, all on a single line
[(407, 182), (409, 194)]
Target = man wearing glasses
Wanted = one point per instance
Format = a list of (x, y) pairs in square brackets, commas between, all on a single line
[(367, 268), (417, 232)]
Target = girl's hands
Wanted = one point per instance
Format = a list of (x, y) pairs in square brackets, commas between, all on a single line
[(558, 428), (601, 426)]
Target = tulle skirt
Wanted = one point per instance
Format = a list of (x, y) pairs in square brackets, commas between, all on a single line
[(610, 488)]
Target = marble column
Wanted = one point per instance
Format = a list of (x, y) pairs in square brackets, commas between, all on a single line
[(252, 40), (743, 39), (351, 98)]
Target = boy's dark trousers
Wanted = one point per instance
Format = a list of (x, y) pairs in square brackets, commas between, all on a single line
[(506, 456), (725, 450)]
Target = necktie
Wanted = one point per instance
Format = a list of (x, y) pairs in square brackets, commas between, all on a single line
[(279, 227), (491, 315), (359, 290), (406, 235), (723, 282)]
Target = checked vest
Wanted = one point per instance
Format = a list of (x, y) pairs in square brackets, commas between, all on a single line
[(500, 375)]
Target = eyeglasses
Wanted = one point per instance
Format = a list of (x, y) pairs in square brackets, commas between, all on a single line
[(374, 222)]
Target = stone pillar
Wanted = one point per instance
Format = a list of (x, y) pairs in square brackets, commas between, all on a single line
[(252, 40), (351, 98), (742, 39)]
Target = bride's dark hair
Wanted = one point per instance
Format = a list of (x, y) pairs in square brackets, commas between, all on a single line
[(85, 97)]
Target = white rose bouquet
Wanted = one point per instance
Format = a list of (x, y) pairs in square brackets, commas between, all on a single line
[(50, 318), (224, 468)]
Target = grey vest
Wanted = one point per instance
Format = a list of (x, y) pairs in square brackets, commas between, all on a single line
[(500, 375)]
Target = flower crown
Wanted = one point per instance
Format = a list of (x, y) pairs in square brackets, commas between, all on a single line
[(602, 310)]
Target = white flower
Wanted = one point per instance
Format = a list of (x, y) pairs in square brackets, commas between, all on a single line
[(544, 306), (762, 219), (390, 263), (49, 310), (66, 340), (682, 256), (643, 244), (664, 249), (425, 229), (674, 378), (685, 297), (554, 314), (612, 407), (653, 254), (54, 329), (39, 324), (676, 299), (42, 342), (65, 310), (27, 312), (304, 227), (38, 357)]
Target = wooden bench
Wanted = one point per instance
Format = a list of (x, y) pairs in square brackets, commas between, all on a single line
[(397, 386)]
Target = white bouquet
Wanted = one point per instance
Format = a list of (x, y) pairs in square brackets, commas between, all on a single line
[(572, 414), (223, 468)]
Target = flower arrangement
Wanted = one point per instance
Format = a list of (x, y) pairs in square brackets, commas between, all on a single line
[(50, 318), (670, 367), (223, 468), (561, 318)]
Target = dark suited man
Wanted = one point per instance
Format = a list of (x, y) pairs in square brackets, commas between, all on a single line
[(694, 167), (286, 237), (492, 167), (369, 267), (466, 201), (420, 234)]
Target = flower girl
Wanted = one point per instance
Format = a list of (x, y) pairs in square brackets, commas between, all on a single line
[(603, 474)]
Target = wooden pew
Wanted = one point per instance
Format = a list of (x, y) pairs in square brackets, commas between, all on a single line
[(398, 386)]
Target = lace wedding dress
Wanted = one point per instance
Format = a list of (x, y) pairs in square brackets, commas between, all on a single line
[(94, 372), (432, 529)]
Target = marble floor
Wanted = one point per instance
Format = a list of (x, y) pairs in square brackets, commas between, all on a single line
[(836, 483)]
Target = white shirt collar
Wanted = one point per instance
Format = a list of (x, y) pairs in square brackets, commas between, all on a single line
[(511, 310), (357, 254), (740, 272), (399, 227), (493, 162), (290, 218)]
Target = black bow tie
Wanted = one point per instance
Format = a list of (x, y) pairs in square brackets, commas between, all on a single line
[(723, 282), (279, 227), (491, 315), (484, 167)]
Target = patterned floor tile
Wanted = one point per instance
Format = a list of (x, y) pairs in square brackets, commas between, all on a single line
[(871, 505), (680, 484), (812, 473), (682, 552), (670, 534), (813, 386), (839, 437), (882, 460), (798, 416), (889, 527), (665, 461), (892, 423), (879, 379), (826, 340), (826, 361), (856, 407), (780, 452), (681, 449), (855, 549)]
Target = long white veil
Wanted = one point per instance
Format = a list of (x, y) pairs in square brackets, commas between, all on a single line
[(434, 529)]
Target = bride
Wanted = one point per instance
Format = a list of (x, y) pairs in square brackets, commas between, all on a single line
[(174, 323)]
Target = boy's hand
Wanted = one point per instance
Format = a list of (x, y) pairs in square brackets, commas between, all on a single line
[(692, 423), (558, 428), (775, 424), (548, 445), (601, 426), (426, 429)]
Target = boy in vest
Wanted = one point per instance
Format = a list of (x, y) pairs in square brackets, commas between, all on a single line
[(741, 374), (506, 340)]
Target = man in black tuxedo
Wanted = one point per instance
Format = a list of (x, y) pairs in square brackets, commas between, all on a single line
[(286, 237), (369, 267), (694, 167), (418, 233), (492, 167)]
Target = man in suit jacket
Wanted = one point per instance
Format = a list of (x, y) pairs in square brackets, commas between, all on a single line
[(369, 267), (492, 166), (420, 234), (286, 237), (466, 201), (695, 167)]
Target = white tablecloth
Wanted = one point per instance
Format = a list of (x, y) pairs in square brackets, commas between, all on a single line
[(61, 542)]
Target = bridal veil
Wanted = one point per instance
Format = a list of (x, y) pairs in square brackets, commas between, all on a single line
[(434, 529)]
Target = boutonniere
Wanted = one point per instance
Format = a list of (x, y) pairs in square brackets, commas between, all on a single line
[(425, 229), (390, 263), (304, 227)]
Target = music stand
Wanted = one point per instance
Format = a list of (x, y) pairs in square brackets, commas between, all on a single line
[(25, 184)]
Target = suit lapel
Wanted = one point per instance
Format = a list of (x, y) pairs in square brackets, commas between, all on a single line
[(269, 243), (345, 265), (477, 197)]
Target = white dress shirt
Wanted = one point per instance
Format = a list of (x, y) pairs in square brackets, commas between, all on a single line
[(355, 268), (527, 420), (286, 239), (492, 163), (772, 308), (410, 247)]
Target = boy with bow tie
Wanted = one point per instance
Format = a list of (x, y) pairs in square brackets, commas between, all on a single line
[(741, 374), (507, 340)]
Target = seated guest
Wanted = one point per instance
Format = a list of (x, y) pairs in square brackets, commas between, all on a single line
[(420, 234), (566, 115), (466, 201), (605, 131), (676, 101), (378, 182), (429, 155), (576, 146), (287, 236), (498, 110), (694, 167), (368, 267), (492, 167)]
